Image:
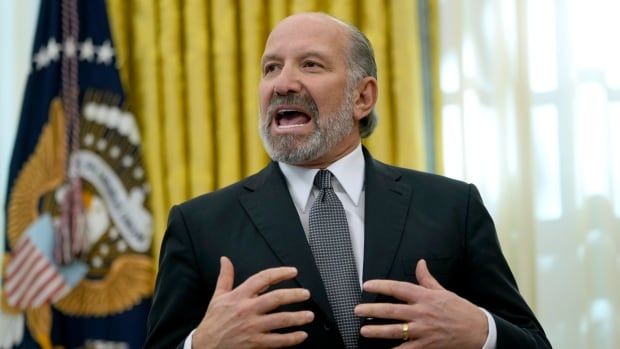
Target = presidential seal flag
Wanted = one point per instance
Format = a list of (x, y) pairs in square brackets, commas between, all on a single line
[(78, 271)]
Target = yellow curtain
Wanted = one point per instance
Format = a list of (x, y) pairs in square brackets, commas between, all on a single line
[(191, 71)]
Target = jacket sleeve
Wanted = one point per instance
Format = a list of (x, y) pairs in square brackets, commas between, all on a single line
[(491, 285), (180, 300)]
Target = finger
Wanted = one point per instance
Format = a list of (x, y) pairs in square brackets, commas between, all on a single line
[(425, 278), (276, 321), (392, 331), (271, 300), (265, 278), (282, 340), (404, 291), (226, 277), (384, 311)]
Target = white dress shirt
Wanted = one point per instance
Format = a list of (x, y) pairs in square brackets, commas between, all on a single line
[(348, 183)]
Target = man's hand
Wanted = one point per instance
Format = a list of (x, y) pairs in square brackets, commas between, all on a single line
[(237, 318), (435, 317)]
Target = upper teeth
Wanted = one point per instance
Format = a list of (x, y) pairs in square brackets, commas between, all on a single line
[(282, 111)]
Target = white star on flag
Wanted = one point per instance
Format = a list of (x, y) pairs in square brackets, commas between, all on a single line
[(41, 59), (53, 49), (105, 53), (87, 50)]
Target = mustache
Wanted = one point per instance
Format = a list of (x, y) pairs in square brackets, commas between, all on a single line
[(304, 101)]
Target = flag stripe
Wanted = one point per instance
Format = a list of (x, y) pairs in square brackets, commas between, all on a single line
[(19, 255), (51, 293), (20, 273), (41, 281), (23, 276), (18, 290)]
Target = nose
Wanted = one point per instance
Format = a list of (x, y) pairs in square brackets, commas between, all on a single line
[(287, 81)]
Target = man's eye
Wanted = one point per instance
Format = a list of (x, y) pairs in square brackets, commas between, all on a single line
[(311, 64), (269, 68)]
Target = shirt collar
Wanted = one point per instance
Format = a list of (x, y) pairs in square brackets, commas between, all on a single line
[(349, 171)]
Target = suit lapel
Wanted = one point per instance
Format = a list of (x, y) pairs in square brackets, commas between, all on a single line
[(271, 208), (387, 205)]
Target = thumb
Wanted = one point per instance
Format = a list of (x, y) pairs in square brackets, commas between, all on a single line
[(226, 277), (425, 279)]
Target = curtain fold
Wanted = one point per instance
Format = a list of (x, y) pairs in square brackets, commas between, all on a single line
[(200, 109), (374, 22), (193, 70), (437, 102)]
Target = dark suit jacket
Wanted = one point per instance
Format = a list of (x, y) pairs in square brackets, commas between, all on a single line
[(409, 215)]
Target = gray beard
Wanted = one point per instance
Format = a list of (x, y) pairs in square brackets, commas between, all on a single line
[(329, 131)]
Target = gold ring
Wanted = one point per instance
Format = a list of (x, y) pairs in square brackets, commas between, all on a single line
[(405, 331)]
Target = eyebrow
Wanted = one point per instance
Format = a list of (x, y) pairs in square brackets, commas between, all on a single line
[(268, 57), (304, 55)]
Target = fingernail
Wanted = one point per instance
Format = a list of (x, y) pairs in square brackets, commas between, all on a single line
[(309, 316)]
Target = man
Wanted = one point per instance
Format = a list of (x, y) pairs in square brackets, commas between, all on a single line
[(255, 265)]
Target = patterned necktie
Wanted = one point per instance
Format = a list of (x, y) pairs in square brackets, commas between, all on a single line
[(330, 243)]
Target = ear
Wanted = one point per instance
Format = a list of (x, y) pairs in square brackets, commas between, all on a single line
[(366, 97)]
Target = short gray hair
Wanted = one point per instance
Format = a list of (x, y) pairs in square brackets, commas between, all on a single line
[(361, 61)]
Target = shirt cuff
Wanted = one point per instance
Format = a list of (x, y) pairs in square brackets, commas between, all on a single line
[(188, 340), (492, 336)]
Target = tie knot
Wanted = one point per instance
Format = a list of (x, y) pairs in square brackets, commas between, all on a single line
[(323, 179)]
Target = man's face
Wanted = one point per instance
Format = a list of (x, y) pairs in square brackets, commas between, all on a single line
[(306, 102)]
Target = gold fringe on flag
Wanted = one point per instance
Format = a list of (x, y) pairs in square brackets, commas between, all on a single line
[(44, 172), (39, 322), (129, 280)]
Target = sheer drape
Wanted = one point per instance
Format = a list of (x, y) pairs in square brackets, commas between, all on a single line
[(531, 115)]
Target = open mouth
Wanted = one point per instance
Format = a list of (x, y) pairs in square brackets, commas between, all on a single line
[(289, 117)]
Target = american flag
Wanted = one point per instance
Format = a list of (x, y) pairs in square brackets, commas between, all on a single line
[(31, 278), (75, 245)]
